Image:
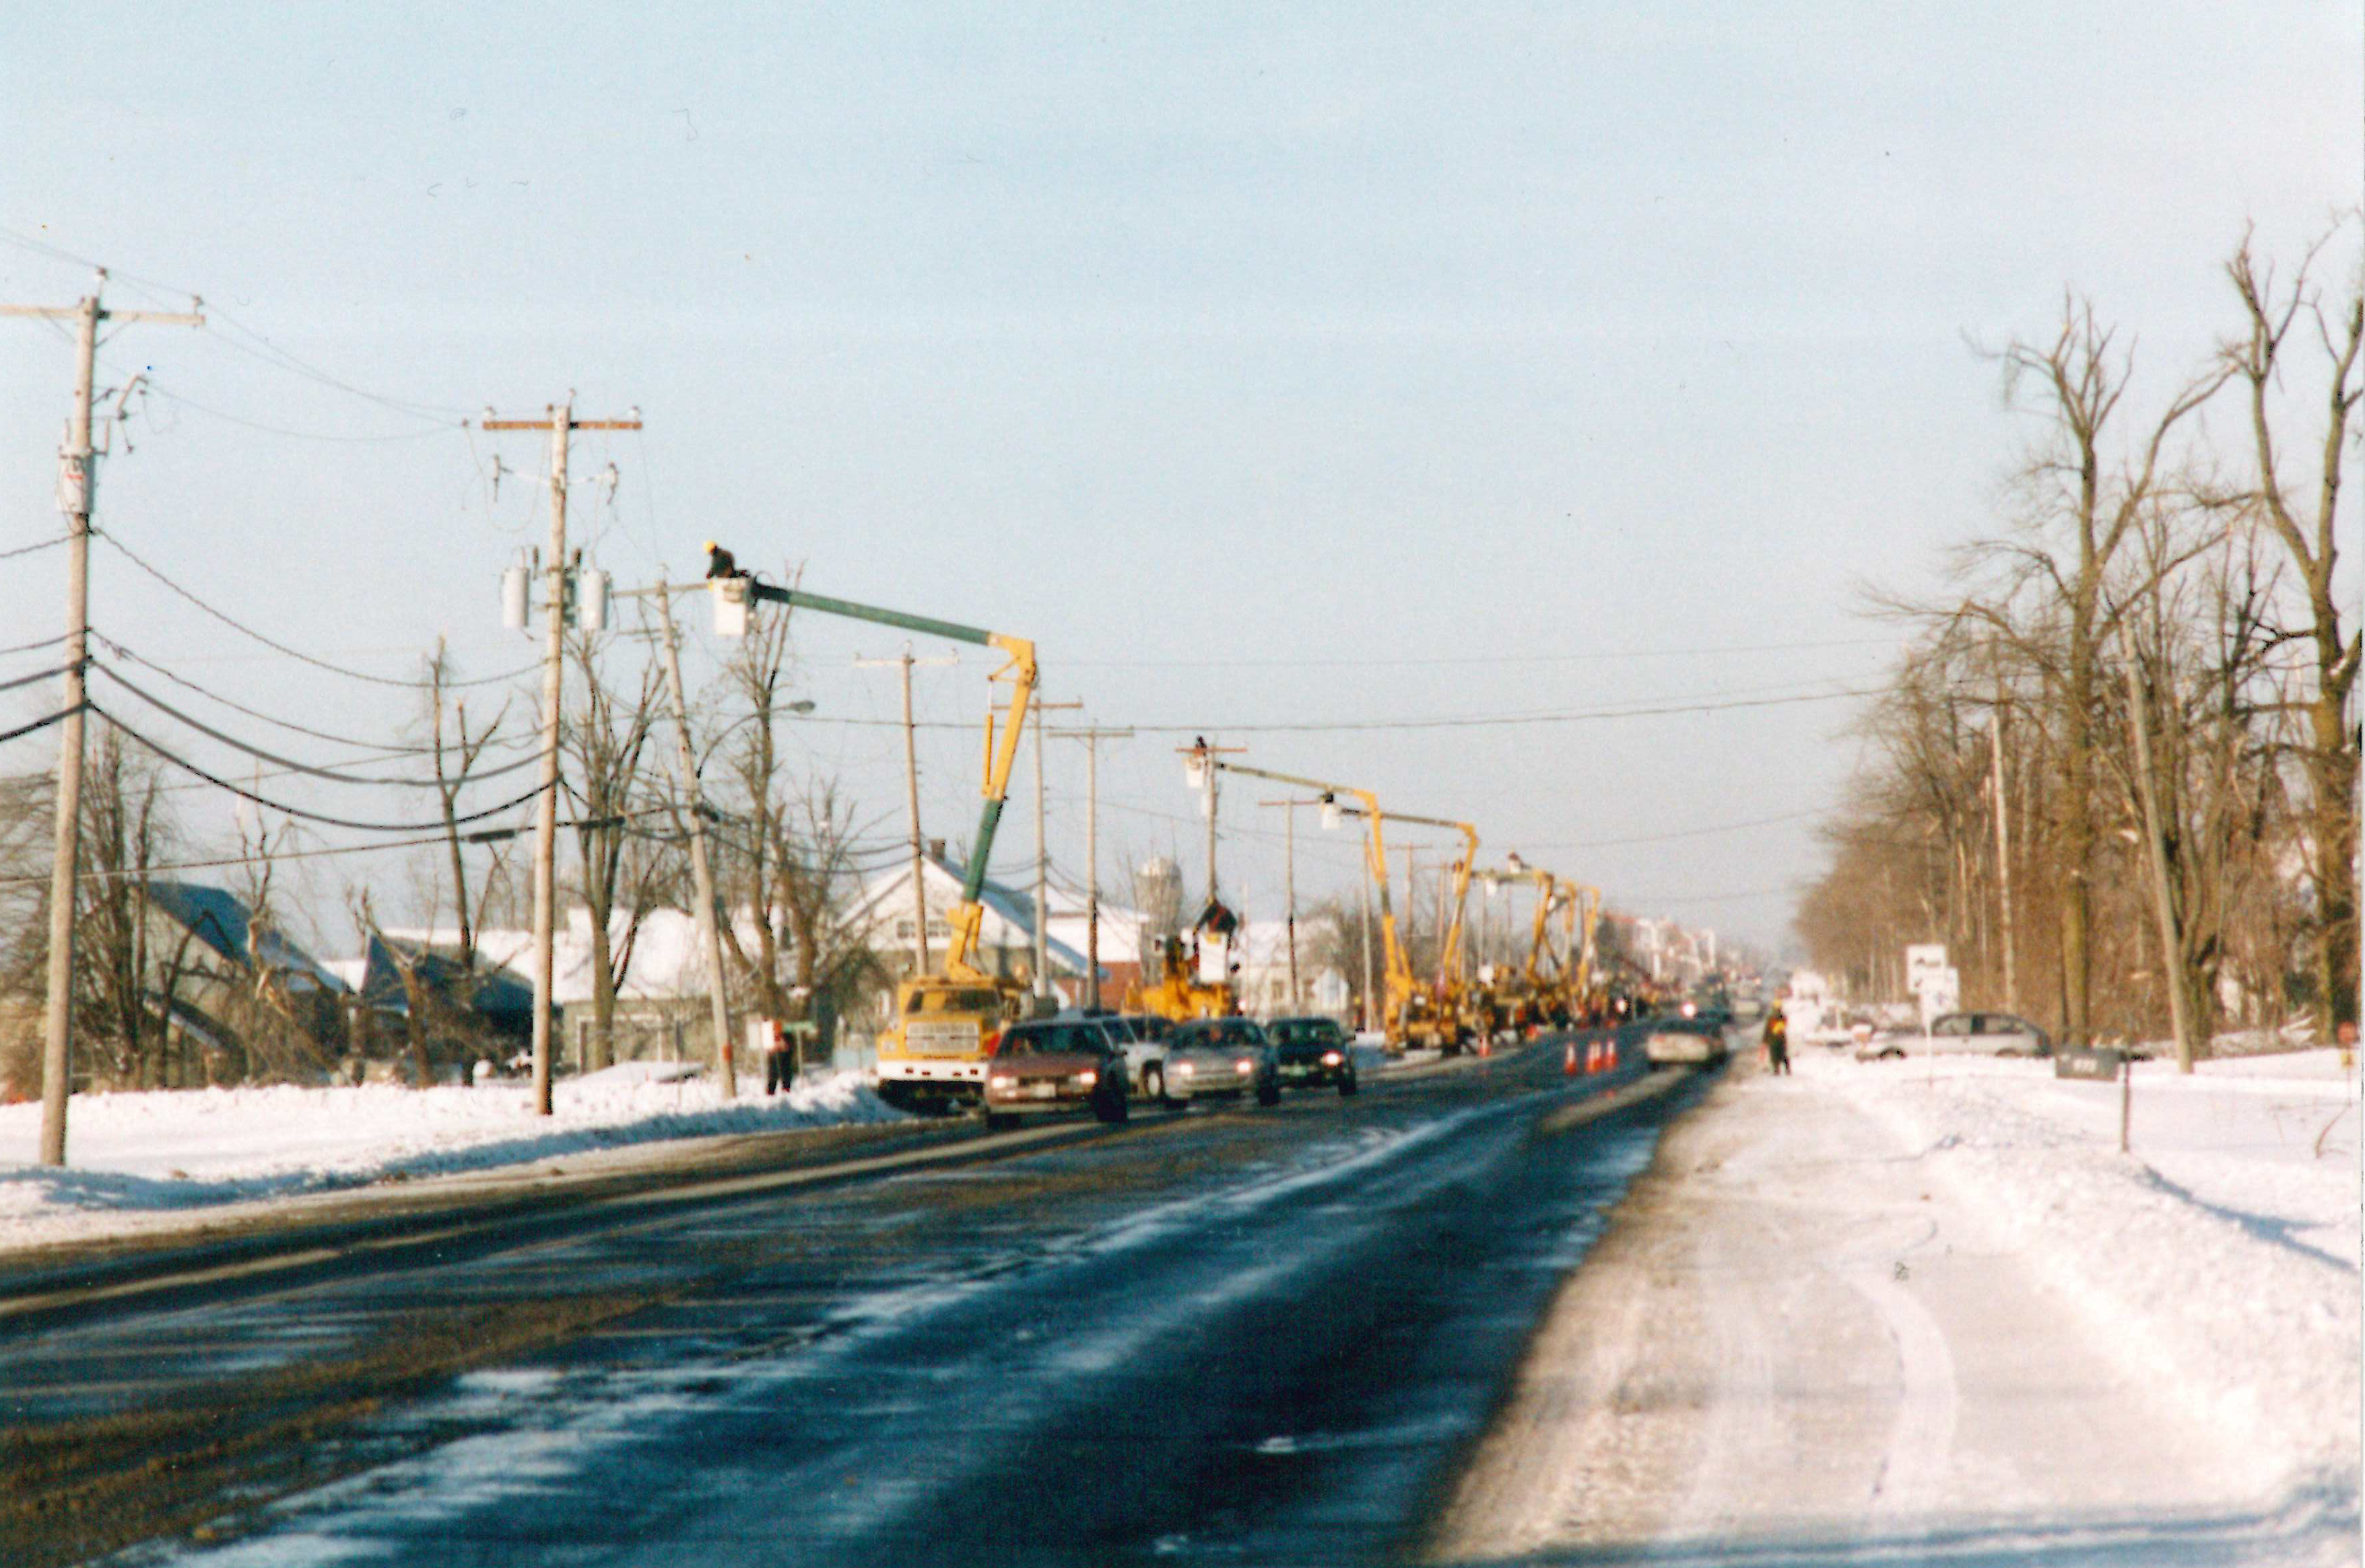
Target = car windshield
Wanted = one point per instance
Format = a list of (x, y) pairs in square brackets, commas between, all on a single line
[(1305, 1031)]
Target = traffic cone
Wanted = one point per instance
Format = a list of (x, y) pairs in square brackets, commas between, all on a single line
[(1568, 1062)]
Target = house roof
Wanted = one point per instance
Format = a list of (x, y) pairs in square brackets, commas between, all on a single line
[(220, 920), (887, 893)]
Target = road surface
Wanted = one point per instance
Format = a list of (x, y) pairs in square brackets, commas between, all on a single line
[(1248, 1336)]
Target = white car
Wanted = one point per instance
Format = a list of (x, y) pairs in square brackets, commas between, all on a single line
[(1962, 1033), (1141, 1039)]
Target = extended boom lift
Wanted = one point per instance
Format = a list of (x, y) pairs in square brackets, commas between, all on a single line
[(1400, 986), (949, 1021)]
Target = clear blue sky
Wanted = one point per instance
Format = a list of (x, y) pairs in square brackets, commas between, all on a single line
[(1575, 355)]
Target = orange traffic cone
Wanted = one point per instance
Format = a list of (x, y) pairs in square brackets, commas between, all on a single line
[(1568, 1062)]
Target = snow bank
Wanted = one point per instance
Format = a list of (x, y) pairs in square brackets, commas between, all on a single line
[(2221, 1256), (135, 1157)]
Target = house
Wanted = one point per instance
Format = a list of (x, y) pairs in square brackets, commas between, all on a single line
[(238, 997), (883, 917), (1260, 950), (662, 1011)]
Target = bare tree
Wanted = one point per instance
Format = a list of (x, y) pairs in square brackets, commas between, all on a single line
[(456, 753), (623, 876), (2306, 522), (2085, 506)]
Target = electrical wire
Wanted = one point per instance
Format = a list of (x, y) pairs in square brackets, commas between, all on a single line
[(297, 811), (387, 748), (29, 679), (1686, 832), (59, 717), (1386, 663), (38, 642), (293, 766), (279, 647), (188, 403), (31, 549)]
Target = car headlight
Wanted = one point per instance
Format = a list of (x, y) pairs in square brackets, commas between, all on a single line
[(1331, 1058), (1183, 1070), (1244, 1067), (1085, 1079), (1003, 1081)]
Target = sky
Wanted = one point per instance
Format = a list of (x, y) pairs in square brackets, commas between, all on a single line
[(1286, 374)]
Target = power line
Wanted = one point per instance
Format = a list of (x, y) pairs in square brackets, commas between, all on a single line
[(1685, 833), (187, 402), (1387, 663), (59, 717), (389, 749), (126, 552), (335, 777), (298, 813), (31, 549)]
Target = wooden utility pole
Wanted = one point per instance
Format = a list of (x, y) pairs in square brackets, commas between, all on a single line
[(912, 800), (77, 497), (1289, 885), (726, 1064), (560, 421), (1043, 861), (2004, 854), (1091, 737)]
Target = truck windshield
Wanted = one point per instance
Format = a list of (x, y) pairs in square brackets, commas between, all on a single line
[(953, 1002)]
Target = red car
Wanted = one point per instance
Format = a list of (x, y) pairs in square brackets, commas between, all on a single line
[(1054, 1065)]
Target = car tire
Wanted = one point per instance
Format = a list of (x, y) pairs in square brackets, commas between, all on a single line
[(1347, 1084), (1268, 1091), (1892, 1054), (995, 1121), (1111, 1108), (1153, 1084)]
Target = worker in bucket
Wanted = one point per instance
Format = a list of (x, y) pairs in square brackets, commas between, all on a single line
[(1777, 1041)]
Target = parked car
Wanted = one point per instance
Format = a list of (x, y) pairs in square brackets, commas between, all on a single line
[(1314, 1053), (1678, 1041), (1221, 1059), (1953, 1034), (1052, 1065)]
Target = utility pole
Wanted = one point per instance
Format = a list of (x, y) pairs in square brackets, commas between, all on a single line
[(1091, 737), (1043, 862), (2003, 852), (1363, 1017), (912, 800), (77, 497), (560, 421), (1205, 772), (727, 1067), (1289, 884)]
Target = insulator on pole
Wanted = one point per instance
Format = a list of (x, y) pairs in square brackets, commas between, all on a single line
[(514, 589), (592, 600)]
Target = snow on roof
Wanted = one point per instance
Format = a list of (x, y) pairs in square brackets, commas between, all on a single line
[(222, 921), (1008, 913)]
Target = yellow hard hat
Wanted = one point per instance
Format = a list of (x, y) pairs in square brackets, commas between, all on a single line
[(711, 547)]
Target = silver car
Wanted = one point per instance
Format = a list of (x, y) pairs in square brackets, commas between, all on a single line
[(1963, 1034), (1221, 1059)]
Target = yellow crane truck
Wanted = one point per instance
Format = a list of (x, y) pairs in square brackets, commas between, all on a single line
[(933, 1055)]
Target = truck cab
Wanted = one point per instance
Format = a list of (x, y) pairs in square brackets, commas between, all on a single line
[(934, 1056)]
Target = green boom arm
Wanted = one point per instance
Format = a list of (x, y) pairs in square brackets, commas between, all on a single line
[(1001, 751)]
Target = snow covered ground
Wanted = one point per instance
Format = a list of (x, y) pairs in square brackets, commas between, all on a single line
[(1926, 1311), (2222, 1250), (143, 1161)]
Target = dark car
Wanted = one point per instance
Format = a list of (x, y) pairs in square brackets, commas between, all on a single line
[(1312, 1053), (1054, 1065), (1221, 1059)]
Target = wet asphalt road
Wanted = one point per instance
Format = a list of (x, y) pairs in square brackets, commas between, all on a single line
[(1256, 1336)]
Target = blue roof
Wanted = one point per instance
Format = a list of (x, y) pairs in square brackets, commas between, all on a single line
[(222, 921)]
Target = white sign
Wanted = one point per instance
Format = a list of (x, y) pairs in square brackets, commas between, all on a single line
[(1922, 959), (1941, 991)]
